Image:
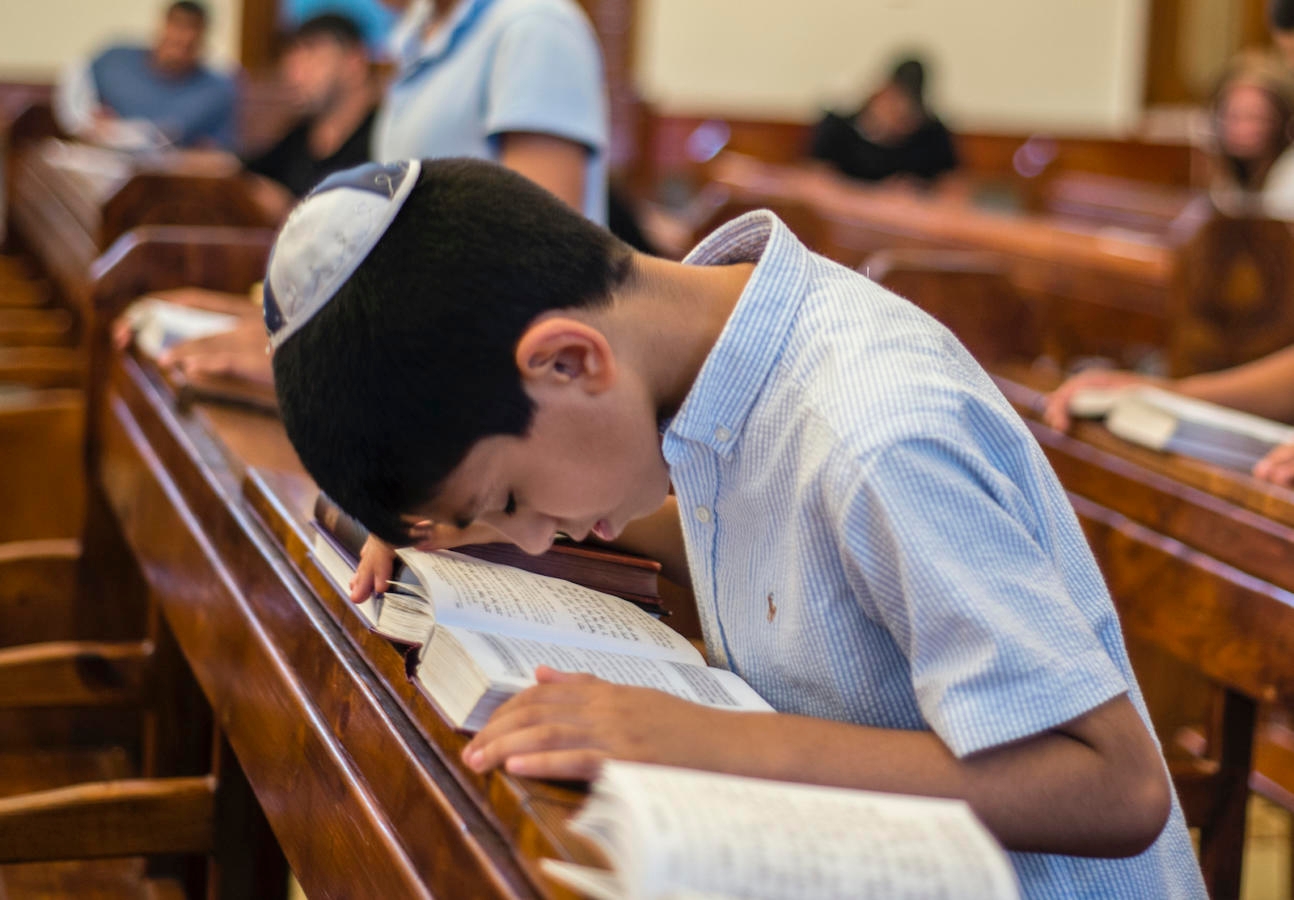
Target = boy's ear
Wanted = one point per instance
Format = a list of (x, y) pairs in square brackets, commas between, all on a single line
[(558, 350)]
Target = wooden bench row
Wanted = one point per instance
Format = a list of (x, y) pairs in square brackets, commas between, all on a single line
[(1203, 291)]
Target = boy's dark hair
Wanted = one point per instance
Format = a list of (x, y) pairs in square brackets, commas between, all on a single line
[(386, 389), (1280, 14), (340, 28), (190, 8)]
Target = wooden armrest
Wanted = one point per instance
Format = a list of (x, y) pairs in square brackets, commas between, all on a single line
[(73, 673), (131, 817), (34, 572), (27, 327), (43, 367)]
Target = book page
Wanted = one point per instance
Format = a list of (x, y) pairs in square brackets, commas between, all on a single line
[(400, 616), (511, 661), (705, 832), (160, 325), (1094, 403), (1170, 423), (331, 561), (484, 596), (1211, 415)]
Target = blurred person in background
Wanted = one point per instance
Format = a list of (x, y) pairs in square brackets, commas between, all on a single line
[(893, 133), (1253, 122), (518, 82), (137, 97), (327, 71), (373, 18)]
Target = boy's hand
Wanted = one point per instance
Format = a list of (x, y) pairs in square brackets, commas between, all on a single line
[(376, 561), (377, 558), (567, 724), (1056, 413), (1277, 466)]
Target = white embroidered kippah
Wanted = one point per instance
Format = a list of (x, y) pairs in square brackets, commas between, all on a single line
[(326, 238)]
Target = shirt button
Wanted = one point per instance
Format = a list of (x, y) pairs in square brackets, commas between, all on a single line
[(702, 514), (722, 434)]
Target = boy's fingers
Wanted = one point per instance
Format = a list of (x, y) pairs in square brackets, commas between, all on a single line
[(1277, 466), (532, 706), (548, 736), (361, 586), (1056, 412), (545, 675), (560, 765)]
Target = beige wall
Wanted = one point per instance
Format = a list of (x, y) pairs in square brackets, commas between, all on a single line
[(38, 37), (1066, 64)]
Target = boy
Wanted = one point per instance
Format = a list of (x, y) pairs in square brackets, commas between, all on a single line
[(873, 538)]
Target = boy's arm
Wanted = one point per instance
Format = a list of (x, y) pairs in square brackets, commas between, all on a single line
[(1095, 786)]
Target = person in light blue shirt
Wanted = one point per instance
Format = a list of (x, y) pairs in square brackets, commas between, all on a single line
[(165, 87), (874, 539), (519, 82)]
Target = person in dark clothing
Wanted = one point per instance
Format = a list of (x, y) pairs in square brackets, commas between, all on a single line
[(893, 133), (326, 68)]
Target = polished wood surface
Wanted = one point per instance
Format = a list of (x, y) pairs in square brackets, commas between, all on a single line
[(122, 817), (678, 147), (65, 215), (1209, 290)]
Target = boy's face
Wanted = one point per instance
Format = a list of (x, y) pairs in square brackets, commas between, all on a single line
[(590, 463)]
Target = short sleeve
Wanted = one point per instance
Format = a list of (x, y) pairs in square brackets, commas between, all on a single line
[(944, 548), (546, 77)]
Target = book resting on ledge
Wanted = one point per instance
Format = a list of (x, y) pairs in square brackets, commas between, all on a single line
[(678, 833), (1172, 423)]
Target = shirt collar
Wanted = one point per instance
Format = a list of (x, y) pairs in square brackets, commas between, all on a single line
[(416, 55), (742, 359)]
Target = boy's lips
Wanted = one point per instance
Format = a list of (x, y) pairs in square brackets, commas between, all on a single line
[(604, 531)]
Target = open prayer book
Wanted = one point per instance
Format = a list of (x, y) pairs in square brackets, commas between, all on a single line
[(1162, 420), (677, 833), (480, 629)]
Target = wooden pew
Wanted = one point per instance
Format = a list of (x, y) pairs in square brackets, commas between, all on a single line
[(66, 216), (91, 680), (1208, 291), (358, 774)]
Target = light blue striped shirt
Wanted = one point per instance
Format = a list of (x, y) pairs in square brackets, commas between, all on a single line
[(875, 537)]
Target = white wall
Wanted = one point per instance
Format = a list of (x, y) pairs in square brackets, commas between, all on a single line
[(38, 37), (1064, 64)]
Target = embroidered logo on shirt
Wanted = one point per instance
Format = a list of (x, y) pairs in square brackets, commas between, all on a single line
[(772, 608)]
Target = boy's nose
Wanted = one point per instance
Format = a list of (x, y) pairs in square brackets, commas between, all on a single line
[(534, 535)]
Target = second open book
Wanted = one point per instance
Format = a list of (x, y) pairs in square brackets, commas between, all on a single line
[(670, 834), (480, 630), (1169, 422)]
